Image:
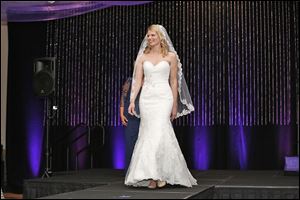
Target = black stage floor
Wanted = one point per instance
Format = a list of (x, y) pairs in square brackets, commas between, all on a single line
[(217, 184)]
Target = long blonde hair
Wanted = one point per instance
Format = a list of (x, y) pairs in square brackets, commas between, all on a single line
[(163, 42)]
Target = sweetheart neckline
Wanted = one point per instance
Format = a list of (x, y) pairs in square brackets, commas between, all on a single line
[(157, 63)]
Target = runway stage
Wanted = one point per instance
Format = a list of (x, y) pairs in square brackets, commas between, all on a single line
[(109, 184)]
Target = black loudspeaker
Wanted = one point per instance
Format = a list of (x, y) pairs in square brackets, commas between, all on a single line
[(44, 76)]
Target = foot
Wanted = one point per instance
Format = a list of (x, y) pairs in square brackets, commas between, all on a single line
[(161, 184), (152, 184)]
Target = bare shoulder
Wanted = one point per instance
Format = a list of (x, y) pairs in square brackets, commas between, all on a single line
[(141, 59), (172, 55)]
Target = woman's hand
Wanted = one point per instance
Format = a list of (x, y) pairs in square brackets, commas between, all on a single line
[(124, 120), (174, 112), (131, 109)]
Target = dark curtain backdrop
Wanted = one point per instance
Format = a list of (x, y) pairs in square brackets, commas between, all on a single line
[(25, 112), (240, 60)]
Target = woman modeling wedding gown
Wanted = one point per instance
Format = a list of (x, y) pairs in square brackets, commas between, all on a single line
[(157, 155)]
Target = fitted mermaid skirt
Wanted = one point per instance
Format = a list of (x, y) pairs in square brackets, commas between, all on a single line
[(157, 154)]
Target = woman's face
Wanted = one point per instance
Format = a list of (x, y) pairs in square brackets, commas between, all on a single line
[(153, 38)]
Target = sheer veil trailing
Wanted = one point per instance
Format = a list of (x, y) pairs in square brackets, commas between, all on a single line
[(185, 104)]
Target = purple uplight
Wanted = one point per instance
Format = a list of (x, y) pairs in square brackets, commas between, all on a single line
[(201, 149), (118, 148), (79, 145), (238, 139), (34, 130), (242, 149), (284, 143), (238, 146)]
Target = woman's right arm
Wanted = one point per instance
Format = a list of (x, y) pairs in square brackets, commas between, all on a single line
[(136, 85)]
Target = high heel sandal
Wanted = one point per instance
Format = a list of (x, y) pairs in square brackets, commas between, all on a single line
[(152, 184), (161, 184)]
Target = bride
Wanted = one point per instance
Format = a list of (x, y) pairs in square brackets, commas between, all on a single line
[(157, 159)]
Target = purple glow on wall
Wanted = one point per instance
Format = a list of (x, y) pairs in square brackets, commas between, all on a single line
[(118, 148), (79, 145), (242, 149), (34, 134), (238, 142), (201, 148), (284, 141), (238, 146)]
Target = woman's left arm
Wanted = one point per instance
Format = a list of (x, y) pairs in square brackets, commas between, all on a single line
[(174, 84)]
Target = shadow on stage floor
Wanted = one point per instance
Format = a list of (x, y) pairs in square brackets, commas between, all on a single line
[(217, 184)]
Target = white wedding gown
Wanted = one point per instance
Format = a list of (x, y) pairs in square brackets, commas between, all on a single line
[(157, 154)]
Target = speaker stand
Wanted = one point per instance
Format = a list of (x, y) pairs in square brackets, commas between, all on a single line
[(48, 172)]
